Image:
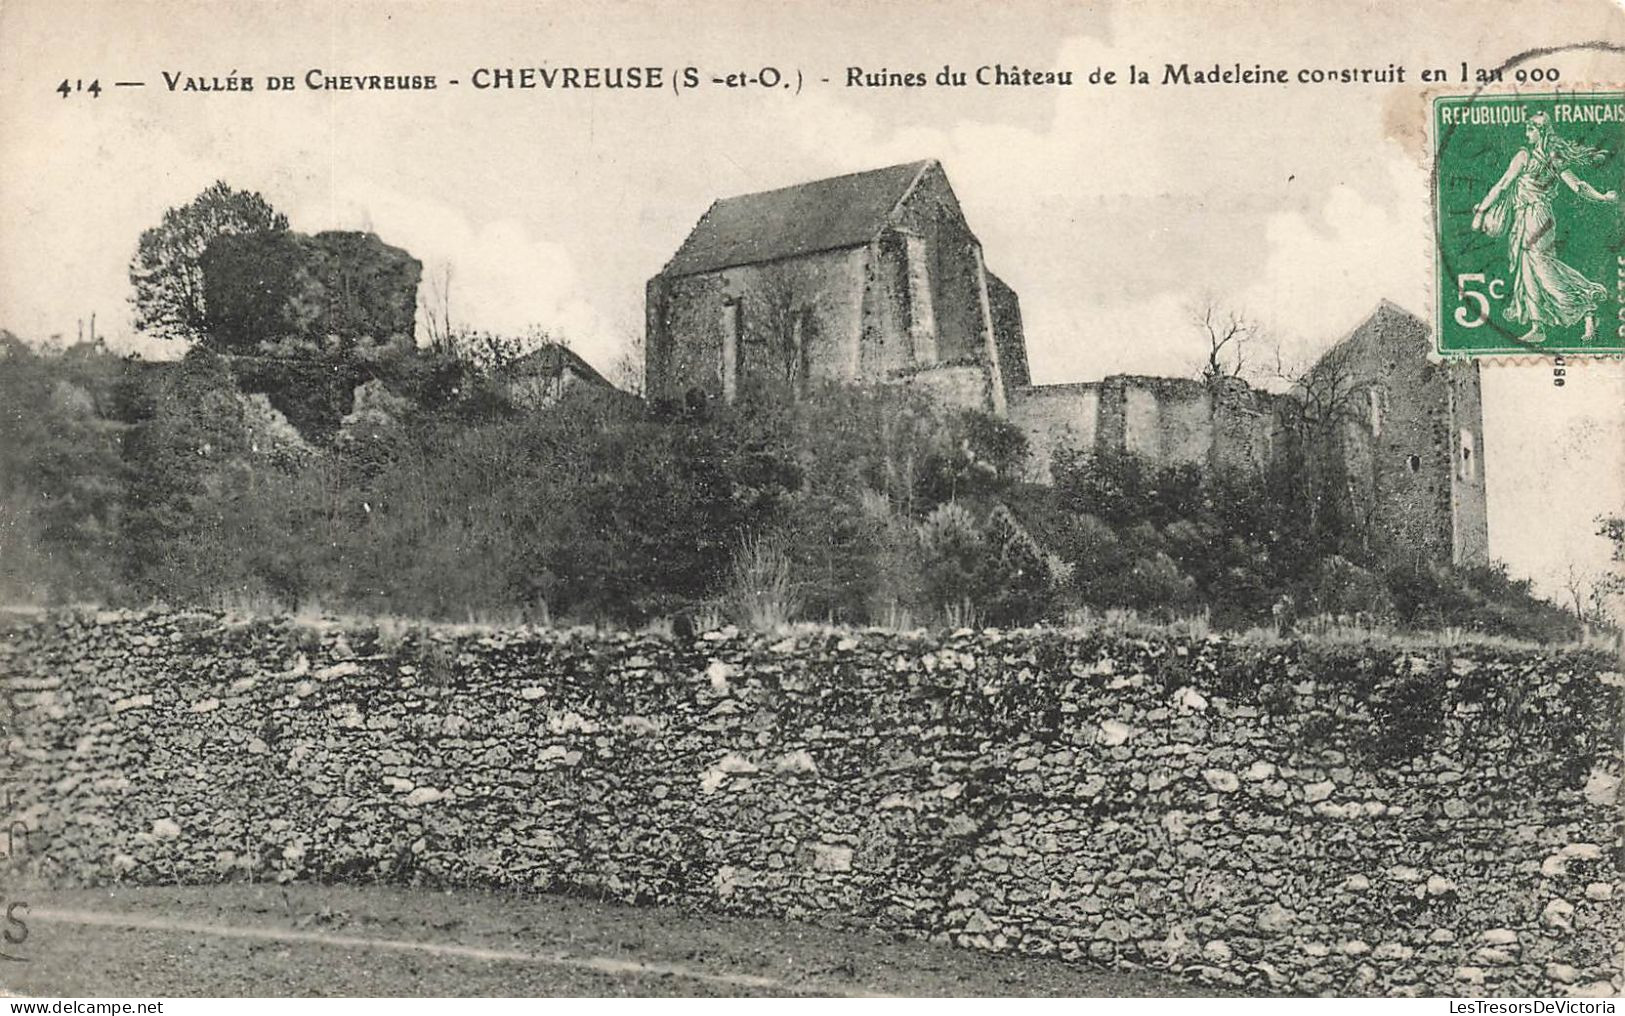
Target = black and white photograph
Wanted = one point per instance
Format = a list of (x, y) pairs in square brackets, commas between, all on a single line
[(819, 498)]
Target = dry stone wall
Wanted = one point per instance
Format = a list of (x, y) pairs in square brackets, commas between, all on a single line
[(1286, 818)]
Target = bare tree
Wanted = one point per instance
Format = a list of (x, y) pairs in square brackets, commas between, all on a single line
[(627, 372), (435, 308), (1328, 395), (1581, 586), (1232, 339), (1328, 392)]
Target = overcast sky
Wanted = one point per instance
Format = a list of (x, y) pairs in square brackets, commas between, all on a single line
[(1109, 209)]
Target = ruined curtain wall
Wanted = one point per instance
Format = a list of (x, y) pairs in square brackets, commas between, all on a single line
[(1338, 819)]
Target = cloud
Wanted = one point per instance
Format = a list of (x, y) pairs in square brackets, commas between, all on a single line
[(1326, 270), (503, 279)]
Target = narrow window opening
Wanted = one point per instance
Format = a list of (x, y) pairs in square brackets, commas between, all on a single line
[(731, 325), (921, 316), (801, 353), (1415, 462)]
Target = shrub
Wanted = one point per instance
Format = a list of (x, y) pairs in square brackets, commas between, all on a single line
[(1342, 588), (952, 549), (898, 595), (837, 547), (1110, 485), (1482, 599), (61, 476), (760, 589), (1092, 546), (978, 456), (1017, 583), (1156, 582), (439, 501)]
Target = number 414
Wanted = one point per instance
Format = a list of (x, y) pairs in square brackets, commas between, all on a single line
[(67, 87)]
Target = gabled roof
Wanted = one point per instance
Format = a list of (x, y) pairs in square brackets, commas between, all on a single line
[(1384, 308), (553, 358), (842, 211)]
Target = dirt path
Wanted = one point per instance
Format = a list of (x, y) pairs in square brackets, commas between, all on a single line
[(339, 940)]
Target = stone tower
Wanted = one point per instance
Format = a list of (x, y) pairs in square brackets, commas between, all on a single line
[(1411, 441)]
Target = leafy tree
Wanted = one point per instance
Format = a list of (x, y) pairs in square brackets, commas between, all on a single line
[(167, 271), (1612, 529)]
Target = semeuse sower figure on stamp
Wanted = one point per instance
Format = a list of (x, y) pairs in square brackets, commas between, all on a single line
[(1546, 292)]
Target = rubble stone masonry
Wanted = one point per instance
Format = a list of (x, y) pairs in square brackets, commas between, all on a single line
[(1284, 817)]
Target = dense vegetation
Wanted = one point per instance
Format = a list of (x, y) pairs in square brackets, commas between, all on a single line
[(432, 495), (305, 452)]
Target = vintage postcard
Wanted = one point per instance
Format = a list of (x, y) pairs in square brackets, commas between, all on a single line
[(829, 498)]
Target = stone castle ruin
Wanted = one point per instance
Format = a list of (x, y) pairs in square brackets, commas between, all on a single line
[(876, 277), (334, 286)]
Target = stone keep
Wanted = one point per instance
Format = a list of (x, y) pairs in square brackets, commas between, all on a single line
[(1411, 441), (869, 277)]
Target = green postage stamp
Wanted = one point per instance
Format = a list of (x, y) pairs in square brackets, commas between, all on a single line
[(1528, 223)]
